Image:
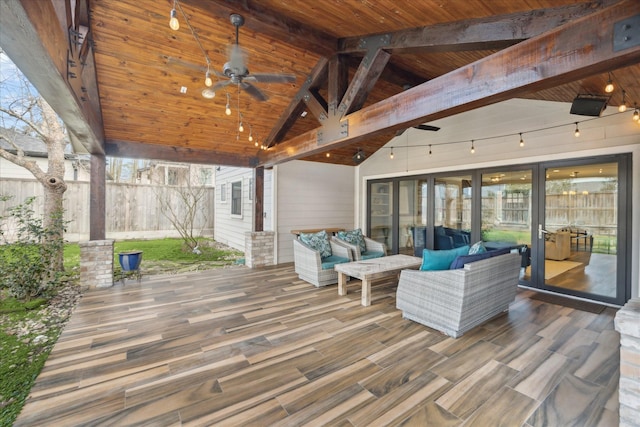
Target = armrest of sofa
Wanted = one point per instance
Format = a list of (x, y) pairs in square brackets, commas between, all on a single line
[(306, 256), (375, 246), (341, 248)]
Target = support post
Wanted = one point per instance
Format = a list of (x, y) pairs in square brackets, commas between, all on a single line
[(97, 198)]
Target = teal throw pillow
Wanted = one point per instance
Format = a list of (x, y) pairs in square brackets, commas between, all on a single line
[(477, 248), (441, 259), (353, 237), (318, 241)]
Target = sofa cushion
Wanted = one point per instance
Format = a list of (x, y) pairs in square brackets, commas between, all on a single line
[(353, 237), (317, 241), (329, 262), (371, 254), (441, 259), (477, 248), (497, 252), (461, 260)]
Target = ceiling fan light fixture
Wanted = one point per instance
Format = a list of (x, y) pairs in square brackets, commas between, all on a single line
[(208, 93)]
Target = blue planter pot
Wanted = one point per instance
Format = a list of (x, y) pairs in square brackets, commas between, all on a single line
[(130, 261)]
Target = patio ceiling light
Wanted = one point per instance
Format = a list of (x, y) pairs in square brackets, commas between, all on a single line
[(609, 87), (173, 21)]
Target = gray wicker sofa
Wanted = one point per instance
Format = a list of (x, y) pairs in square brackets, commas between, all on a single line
[(316, 270), (455, 301)]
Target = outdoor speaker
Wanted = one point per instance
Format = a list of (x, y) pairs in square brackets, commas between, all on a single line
[(589, 105)]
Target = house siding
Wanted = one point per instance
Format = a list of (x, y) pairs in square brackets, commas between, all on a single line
[(311, 195), (230, 229)]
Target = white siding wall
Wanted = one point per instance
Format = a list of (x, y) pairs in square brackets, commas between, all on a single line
[(311, 195), (607, 135), (229, 229)]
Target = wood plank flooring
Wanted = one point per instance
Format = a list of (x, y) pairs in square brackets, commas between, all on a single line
[(261, 347)]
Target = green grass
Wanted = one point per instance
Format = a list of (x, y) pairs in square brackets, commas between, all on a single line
[(22, 356), (22, 359)]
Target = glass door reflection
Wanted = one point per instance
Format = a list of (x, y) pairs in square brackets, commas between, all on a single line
[(382, 213)]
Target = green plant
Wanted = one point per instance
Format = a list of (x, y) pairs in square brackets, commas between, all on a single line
[(27, 264)]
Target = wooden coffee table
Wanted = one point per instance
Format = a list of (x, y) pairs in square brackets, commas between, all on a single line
[(373, 269)]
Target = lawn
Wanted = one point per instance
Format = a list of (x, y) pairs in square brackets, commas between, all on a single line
[(29, 331)]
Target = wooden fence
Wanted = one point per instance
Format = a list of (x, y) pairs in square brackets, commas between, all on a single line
[(132, 211)]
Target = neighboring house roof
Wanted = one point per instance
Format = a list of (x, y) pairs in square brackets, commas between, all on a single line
[(33, 147)]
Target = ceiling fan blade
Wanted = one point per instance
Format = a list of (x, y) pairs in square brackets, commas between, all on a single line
[(220, 85), (253, 91), (271, 78), (427, 127)]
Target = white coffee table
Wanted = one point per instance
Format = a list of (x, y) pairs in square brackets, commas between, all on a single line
[(373, 269)]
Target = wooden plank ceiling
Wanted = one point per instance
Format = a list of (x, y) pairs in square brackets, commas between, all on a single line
[(341, 69)]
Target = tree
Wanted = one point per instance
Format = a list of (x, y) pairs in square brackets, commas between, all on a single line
[(24, 112)]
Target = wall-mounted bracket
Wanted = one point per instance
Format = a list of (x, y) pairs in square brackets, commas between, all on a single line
[(333, 130)]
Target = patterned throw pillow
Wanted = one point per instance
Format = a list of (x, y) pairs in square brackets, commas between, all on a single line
[(318, 241), (477, 248), (353, 237)]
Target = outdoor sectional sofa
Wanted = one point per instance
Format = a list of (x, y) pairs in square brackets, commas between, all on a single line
[(455, 301), (315, 269)]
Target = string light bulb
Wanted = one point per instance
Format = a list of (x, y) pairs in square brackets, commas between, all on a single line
[(328, 155), (521, 140), (173, 20), (227, 109), (207, 79), (256, 143), (429, 149), (391, 154), (636, 114), (473, 148), (623, 107), (577, 131), (609, 87), (250, 133), (240, 127)]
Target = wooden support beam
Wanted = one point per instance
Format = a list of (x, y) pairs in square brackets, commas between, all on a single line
[(40, 47), (338, 70), (495, 32), (366, 76), (317, 77), (136, 150), (258, 199), (97, 197), (573, 51)]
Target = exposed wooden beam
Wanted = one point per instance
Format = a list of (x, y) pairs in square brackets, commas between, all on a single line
[(338, 71), (316, 78), (573, 51), (174, 154), (366, 76), (495, 32), (39, 46)]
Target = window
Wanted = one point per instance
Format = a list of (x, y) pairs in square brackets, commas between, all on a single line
[(223, 192), (236, 198)]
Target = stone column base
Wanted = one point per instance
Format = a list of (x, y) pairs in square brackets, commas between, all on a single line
[(259, 248), (96, 263), (627, 322)]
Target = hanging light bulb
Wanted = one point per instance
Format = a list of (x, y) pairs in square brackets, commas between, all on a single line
[(521, 140), (636, 114), (227, 109), (250, 133), (429, 149), (473, 148), (609, 87), (328, 155), (577, 132), (256, 143), (391, 154), (207, 79), (240, 127), (623, 107), (173, 21)]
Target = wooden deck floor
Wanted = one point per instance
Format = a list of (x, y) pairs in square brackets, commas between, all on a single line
[(260, 347)]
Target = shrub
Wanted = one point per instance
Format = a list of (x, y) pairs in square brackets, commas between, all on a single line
[(25, 264)]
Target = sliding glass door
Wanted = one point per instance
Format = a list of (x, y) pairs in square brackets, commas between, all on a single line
[(581, 234)]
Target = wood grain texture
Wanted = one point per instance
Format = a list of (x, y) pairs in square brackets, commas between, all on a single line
[(260, 347)]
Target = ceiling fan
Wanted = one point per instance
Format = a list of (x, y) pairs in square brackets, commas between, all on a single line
[(421, 127), (235, 71)]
